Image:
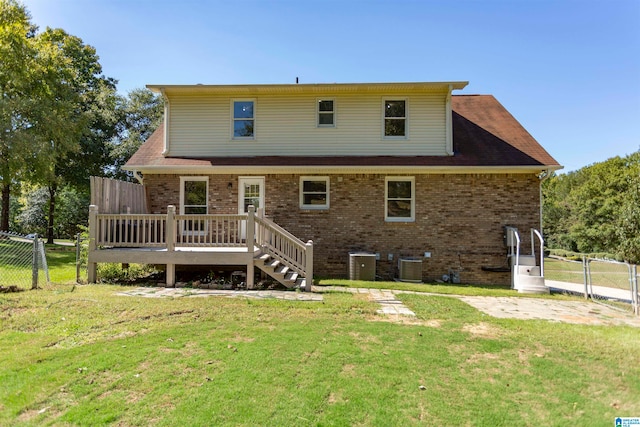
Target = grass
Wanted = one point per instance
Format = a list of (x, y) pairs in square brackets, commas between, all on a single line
[(62, 263), (82, 355)]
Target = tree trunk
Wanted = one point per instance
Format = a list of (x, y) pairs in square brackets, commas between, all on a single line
[(53, 189), (4, 221)]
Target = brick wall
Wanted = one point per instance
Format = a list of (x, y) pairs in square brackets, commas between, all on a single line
[(459, 219)]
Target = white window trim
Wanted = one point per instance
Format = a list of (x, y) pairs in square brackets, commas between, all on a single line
[(412, 179), (314, 178), (406, 117), (184, 179), (233, 119), (318, 112)]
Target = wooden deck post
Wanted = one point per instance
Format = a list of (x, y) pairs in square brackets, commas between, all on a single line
[(93, 235), (308, 269), (251, 224), (171, 244)]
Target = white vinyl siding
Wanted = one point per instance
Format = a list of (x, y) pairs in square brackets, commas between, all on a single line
[(199, 127)]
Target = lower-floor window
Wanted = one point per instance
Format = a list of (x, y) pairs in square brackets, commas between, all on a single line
[(193, 200), (399, 199), (314, 192)]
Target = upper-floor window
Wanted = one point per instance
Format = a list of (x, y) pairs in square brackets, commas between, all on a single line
[(395, 118), (326, 113), (314, 192), (400, 203), (244, 119)]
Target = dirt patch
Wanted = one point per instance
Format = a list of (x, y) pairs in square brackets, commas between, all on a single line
[(482, 330), (477, 357), (11, 288), (240, 338), (348, 370)]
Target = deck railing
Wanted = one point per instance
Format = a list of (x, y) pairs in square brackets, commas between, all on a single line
[(130, 230), (167, 230), (210, 230), (170, 230)]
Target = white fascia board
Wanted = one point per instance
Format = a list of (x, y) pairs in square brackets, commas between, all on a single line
[(309, 88), (274, 170)]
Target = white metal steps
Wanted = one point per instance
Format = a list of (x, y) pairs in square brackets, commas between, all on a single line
[(527, 274)]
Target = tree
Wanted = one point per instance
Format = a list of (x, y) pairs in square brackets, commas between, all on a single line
[(17, 82), (629, 222), (595, 209), (141, 114), (79, 86), (57, 111)]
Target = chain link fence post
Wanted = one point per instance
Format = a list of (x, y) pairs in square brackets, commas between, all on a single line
[(34, 263), (635, 293), (23, 262), (78, 258)]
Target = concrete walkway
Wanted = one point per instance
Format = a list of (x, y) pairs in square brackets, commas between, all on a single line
[(188, 292), (525, 308), (603, 291), (577, 312)]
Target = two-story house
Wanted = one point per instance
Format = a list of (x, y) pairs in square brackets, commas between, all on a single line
[(399, 170)]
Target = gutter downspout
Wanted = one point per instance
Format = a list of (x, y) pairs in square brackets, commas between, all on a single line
[(543, 176), (167, 117), (448, 124)]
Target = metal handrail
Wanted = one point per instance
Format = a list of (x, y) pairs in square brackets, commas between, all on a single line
[(533, 248)]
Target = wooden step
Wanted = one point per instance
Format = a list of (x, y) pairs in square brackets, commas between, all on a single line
[(278, 271), (291, 278), (262, 258), (273, 264)]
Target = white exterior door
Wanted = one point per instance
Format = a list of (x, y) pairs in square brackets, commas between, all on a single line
[(250, 192)]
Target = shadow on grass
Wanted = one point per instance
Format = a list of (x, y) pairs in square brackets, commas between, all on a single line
[(439, 288)]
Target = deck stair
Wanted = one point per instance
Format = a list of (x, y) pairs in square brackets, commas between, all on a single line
[(279, 272), (282, 255), (527, 272)]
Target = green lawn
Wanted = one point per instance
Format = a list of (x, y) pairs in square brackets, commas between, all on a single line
[(81, 355)]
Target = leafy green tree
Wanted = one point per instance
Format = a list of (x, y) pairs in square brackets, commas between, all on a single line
[(141, 114), (57, 111), (72, 208), (595, 209), (33, 215), (18, 80), (81, 148), (629, 222)]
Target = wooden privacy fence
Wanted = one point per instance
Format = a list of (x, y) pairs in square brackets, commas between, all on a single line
[(116, 197)]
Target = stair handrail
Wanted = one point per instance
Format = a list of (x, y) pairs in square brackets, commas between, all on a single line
[(512, 234), (517, 237), (304, 266), (536, 233)]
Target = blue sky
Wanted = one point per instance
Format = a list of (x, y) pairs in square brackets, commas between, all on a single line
[(569, 71)]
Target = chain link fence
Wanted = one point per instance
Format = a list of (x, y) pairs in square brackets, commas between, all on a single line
[(610, 282), (23, 263)]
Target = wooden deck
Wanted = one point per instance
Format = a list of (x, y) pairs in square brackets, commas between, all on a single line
[(242, 240)]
